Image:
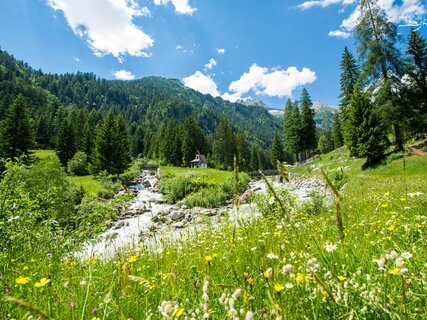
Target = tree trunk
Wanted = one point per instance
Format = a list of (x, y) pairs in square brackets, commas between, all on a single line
[(398, 139)]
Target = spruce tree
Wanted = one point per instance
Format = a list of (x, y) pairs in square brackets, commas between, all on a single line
[(193, 141), (253, 162), (276, 150), (105, 154), (368, 137), (291, 130), (66, 143), (171, 147), (224, 145), (416, 70), (16, 133), (122, 144), (242, 152), (337, 131), (308, 139)]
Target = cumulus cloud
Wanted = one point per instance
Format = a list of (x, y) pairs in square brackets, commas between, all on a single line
[(123, 75), (406, 11), (271, 82), (181, 6), (220, 50), (210, 64), (339, 34), (202, 83), (323, 3), (107, 25)]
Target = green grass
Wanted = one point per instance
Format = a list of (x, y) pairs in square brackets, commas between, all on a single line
[(91, 185), (267, 259), (43, 153), (209, 176)]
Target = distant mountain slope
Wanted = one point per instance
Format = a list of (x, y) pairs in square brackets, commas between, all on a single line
[(150, 100)]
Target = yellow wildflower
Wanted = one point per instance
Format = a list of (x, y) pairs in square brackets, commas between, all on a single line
[(42, 283), (25, 268), (22, 280), (301, 278), (279, 287), (384, 205), (341, 278), (178, 312), (250, 281), (132, 259), (208, 259)]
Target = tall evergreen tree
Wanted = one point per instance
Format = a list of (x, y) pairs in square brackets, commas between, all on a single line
[(242, 152), (291, 129), (416, 69), (122, 144), (171, 147), (193, 140), (66, 143), (253, 162), (368, 137), (377, 38), (276, 150), (308, 137), (350, 73), (337, 131), (224, 145), (16, 134)]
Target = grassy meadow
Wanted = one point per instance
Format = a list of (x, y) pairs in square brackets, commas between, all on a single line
[(289, 264)]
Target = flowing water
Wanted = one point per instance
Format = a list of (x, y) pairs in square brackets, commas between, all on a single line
[(138, 230)]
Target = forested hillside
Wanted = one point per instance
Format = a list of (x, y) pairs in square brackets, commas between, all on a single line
[(72, 106)]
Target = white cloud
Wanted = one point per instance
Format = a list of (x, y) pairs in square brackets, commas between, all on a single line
[(181, 6), (107, 25), (123, 75), (406, 11), (220, 50), (202, 83), (274, 82), (323, 3), (210, 64), (339, 34), (77, 59)]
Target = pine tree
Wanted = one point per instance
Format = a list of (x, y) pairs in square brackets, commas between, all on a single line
[(253, 163), (350, 73), (66, 142), (276, 150), (16, 134), (291, 130), (242, 152), (337, 131), (122, 144), (171, 147), (193, 141), (308, 140), (382, 65), (416, 69), (224, 145), (104, 154), (368, 137)]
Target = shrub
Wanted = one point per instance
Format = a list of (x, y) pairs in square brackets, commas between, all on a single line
[(207, 197), (77, 166)]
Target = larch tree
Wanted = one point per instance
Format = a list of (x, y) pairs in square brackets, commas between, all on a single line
[(382, 64)]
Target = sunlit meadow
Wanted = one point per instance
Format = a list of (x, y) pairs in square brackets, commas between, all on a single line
[(289, 264)]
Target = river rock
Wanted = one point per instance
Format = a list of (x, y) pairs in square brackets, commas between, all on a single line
[(176, 215), (111, 236), (178, 225)]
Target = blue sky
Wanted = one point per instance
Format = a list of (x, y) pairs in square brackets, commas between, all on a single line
[(262, 49)]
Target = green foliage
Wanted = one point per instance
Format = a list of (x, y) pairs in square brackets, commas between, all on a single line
[(200, 187), (78, 165), (66, 142), (367, 137), (326, 143), (90, 184), (277, 150), (112, 146), (224, 145), (337, 131), (15, 131), (308, 138), (291, 130), (349, 78), (193, 141)]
